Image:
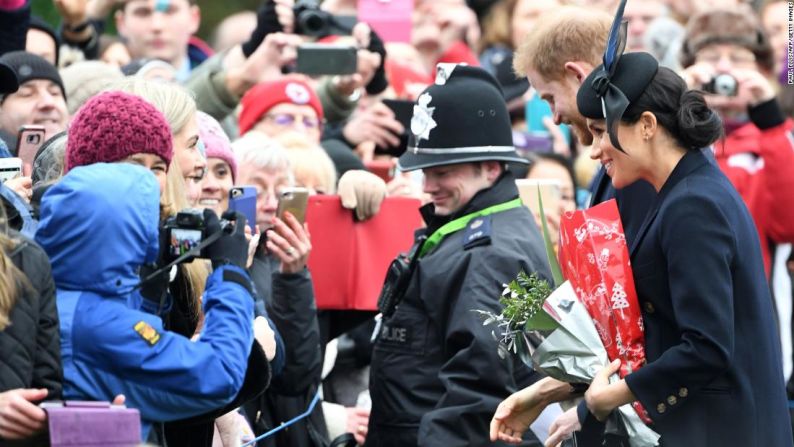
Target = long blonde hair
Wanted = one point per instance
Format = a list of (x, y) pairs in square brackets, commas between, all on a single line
[(11, 279), (174, 199)]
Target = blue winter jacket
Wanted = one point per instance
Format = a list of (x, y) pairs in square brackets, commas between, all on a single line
[(98, 225)]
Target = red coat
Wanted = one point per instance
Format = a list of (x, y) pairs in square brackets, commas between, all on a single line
[(760, 164)]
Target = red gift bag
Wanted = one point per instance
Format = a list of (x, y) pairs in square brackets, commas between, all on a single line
[(594, 257)]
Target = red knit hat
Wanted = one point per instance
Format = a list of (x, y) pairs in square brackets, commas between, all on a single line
[(263, 97), (112, 126)]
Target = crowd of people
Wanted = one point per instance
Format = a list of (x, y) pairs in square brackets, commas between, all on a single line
[(125, 277)]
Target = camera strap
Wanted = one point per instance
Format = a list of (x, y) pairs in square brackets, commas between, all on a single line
[(193, 252)]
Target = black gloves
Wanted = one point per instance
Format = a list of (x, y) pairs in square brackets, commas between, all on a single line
[(378, 83), (232, 247), (266, 23)]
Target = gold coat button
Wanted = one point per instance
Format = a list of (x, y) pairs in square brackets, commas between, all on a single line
[(661, 408), (648, 306), (683, 392), (672, 400)]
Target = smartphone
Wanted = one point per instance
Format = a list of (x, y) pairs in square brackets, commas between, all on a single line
[(403, 111), (326, 59), (382, 168), (243, 200), (537, 109), (10, 168), (293, 200), (29, 140), (391, 19), (550, 192)]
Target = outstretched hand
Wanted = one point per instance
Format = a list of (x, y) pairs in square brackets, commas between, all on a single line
[(515, 414)]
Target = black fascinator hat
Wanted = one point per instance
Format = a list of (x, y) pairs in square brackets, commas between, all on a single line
[(609, 90)]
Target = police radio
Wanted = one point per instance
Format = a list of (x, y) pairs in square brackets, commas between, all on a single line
[(396, 282)]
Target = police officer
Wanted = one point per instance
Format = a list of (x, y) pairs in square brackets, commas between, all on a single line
[(436, 375)]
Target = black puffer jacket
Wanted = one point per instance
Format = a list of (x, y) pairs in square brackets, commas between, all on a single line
[(289, 301), (31, 346)]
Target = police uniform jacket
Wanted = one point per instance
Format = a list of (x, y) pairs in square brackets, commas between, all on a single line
[(713, 376), (436, 376)]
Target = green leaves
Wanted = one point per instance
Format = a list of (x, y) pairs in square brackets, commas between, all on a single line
[(551, 255), (523, 300)]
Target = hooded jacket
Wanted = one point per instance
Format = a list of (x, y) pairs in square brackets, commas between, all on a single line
[(98, 225)]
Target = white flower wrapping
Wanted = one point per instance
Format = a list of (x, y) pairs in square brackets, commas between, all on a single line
[(574, 353)]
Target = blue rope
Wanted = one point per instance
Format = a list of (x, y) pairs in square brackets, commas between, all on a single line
[(288, 423)]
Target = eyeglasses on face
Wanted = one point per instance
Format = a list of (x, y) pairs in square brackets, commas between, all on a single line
[(735, 57), (288, 120)]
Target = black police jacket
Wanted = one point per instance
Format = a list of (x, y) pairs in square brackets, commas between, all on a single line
[(436, 376)]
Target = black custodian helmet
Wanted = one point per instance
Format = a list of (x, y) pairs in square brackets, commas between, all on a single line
[(461, 118)]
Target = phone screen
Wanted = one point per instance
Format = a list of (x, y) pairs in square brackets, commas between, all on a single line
[(10, 168), (293, 200)]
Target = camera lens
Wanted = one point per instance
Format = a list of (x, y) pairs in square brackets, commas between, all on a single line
[(312, 22), (725, 85)]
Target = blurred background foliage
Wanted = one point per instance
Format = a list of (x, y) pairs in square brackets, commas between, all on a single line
[(212, 12)]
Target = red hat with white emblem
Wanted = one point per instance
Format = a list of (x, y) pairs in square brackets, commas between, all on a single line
[(263, 97)]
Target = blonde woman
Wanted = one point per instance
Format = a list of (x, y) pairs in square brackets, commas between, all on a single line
[(179, 109)]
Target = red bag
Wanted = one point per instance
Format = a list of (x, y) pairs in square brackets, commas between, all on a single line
[(595, 259)]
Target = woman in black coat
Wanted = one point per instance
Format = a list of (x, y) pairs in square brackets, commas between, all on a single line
[(713, 375), (30, 350)]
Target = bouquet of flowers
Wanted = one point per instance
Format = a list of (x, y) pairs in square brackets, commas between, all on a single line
[(575, 330)]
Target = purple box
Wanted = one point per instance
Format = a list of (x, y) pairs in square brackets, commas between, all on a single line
[(79, 423)]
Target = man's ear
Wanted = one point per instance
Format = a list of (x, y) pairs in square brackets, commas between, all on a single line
[(195, 19), (578, 69), (120, 24), (493, 169)]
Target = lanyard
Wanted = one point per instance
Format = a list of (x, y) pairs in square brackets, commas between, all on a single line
[(461, 222)]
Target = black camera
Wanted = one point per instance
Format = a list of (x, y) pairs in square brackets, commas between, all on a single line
[(723, 85), (185, 232), (310, 20)]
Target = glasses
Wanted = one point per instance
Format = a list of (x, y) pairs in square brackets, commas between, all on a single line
[(736, 58), (288, 120)]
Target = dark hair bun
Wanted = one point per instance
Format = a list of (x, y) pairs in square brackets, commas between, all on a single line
[(698, 125)]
